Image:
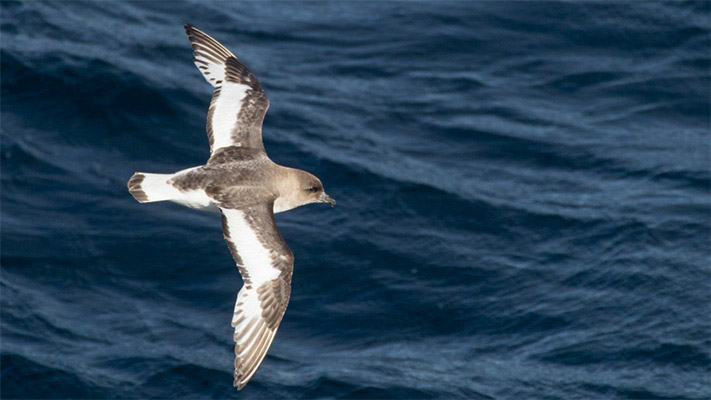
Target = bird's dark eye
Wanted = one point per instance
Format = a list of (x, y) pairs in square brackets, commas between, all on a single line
[(312, 189)]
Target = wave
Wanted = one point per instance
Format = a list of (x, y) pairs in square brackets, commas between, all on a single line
[(523, 200)]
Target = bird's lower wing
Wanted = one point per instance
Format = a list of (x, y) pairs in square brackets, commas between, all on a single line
[(266, 265)]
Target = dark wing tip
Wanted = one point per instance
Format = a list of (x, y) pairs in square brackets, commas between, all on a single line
[(237, 72), (190, 29)]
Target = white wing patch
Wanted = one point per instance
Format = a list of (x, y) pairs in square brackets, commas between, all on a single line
[(225, 114), (256, 259), (252, 333), (238, 103)]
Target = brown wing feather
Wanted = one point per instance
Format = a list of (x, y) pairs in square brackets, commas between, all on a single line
[(251, 233), (238, 104)]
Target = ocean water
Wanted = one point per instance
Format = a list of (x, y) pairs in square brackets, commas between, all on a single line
[(523, 200)]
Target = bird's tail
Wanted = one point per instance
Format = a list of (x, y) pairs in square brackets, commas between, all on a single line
[(146, 188)]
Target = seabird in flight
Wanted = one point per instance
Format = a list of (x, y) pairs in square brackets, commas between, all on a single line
[(247, 188)]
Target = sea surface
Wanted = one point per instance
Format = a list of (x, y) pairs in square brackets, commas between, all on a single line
[(523, 200)]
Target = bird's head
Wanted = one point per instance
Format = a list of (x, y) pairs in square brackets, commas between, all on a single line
[(300, 189), (311, 190)]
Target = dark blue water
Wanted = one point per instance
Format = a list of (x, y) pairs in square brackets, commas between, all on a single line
[(523, 195)]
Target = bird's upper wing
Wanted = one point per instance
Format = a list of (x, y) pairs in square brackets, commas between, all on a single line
[(238, 103), (266, 265)]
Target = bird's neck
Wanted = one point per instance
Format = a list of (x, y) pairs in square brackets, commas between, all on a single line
[(288, 190)]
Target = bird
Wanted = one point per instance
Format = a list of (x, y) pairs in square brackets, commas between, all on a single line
[(247, 188)]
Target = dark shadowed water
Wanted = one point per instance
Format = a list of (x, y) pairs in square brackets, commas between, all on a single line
[(523, 195)]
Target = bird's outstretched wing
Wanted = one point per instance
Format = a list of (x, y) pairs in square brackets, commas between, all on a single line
[(266, 265), (238, 103)]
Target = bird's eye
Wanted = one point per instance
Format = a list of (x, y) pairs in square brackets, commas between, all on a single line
[(312, 189)]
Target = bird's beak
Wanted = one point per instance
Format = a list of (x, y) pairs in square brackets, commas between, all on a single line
[(327, 199)]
